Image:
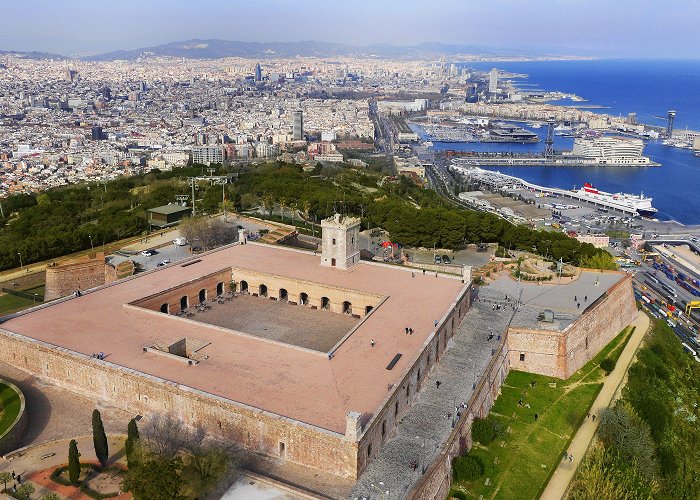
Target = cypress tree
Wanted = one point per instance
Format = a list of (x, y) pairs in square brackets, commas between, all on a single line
[(99, 438), (131, 439), (73, 463)]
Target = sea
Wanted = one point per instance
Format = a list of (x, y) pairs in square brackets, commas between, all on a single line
[(620, 86)]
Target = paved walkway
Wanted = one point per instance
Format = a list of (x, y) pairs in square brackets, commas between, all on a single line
[(428, 423), (559, 483), (37, 462)]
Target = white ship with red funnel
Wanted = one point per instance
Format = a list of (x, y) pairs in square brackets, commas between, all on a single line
[(619, 201)]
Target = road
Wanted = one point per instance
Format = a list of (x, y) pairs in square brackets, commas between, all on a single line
[(171, 252)]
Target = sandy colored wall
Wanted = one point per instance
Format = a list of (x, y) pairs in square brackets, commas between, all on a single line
[(251, 428)]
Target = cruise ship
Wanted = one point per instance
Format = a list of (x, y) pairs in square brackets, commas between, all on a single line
[(620, 201), (611, 151)]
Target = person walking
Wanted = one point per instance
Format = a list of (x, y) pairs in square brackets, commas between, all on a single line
[(372, 342)]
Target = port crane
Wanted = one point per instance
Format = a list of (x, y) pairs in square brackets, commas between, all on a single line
[(693, 304)]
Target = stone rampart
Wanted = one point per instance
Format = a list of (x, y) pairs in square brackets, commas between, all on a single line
[(560, 354), (251, 428), (63, 280)]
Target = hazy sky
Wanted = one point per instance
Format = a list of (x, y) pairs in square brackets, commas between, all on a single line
[(638, 28)]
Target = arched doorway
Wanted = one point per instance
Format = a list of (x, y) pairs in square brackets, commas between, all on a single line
[(220, 288), (283, 295), (184, 303), (303, 299), (244, 286), (202, 295), (325, 303), (368, 309), (165, 308), (262, 291), (347, 307)]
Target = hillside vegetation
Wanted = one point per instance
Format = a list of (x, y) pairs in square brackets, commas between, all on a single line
[(62, 220)]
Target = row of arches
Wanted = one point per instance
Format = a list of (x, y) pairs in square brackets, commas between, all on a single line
[(202, 296), (303, 298)]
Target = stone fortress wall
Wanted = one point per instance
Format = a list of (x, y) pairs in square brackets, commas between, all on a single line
[(315, 295), (251, 428), (560, 354), (557, 354), (64, 279), (400, 397)]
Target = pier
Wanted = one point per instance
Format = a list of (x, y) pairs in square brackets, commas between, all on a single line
[(497, 180)]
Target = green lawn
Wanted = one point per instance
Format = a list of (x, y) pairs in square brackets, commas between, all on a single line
[(520, 462), (10, 407), (11, 303)]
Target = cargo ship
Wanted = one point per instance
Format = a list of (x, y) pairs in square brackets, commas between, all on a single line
[(620, 201)]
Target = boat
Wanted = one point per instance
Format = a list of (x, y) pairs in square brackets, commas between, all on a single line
[(620, 201)]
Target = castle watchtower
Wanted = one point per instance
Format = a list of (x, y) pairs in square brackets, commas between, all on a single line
[(340, 246)]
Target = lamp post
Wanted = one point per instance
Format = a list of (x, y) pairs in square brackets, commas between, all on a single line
[(92, 247), (21, 267), (35, 296)]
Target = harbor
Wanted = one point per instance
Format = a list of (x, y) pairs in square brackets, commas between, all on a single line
[(631, 205)]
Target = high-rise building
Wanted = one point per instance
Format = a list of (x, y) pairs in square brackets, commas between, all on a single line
[(206, 155), (106, 92), (71, 75), (96, 133), (258, 73), (493, 81), (298, 126)]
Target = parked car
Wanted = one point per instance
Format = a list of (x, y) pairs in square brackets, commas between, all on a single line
[(149, 253), (180, 241), (163, 263), (437, 259), (446, 260)]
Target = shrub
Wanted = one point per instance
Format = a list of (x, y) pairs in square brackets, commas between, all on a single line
[(608, 365), (458, 494), (467, 468), (484, 430), (73, 463)]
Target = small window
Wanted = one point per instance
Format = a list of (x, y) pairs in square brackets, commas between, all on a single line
[(334, 241), (408, 390), (586, 342), (396, 408), (369, 450), (522, 356), (282, 449), (353, 240), (333, 262), (383, 429)]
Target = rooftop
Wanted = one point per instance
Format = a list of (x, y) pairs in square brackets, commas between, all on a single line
[(280, 378), (567, 301), (172, 208)]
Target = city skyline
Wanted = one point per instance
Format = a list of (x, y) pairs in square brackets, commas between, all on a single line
[(79, 28)]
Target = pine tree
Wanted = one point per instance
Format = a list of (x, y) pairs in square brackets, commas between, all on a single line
[(99, 438), (73, 463), (132, 438)]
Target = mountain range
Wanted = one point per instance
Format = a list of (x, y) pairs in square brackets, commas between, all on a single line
[(216, 49)]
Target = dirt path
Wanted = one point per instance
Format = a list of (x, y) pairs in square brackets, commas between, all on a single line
[(559, 483)]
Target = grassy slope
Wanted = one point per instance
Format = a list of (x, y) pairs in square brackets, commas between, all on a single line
[(531, 450)]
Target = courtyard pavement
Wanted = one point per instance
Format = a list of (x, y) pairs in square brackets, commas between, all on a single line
[(280, 321), (429, 421)]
